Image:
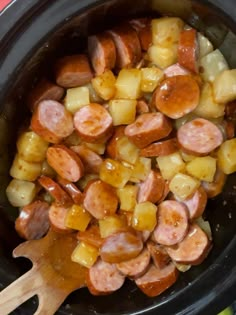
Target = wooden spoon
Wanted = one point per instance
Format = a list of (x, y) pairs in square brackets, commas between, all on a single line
[(53, 275)]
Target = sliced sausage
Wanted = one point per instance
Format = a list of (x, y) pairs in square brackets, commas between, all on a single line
[(65, 162), (90, 159), (102, 52), (44, 90), (188, 50), (159, 254), (156, 280), (55, 190), (142, 107), (214, 188), (128, 48), (91, 236), (120, 247), (143, 28), (199, 137), (229, 129), (161, 148), (230, 110), (103, 278), (174, 70), (152, 188), (72, 190), (166, 191), (72, 71), (100, 199), (33, 222), (57, 217), (52, 121), (148, 128), (197, 203), (177, 96), (172, 223), (193, 249), (93, 123), (111, 148), (135, 267)]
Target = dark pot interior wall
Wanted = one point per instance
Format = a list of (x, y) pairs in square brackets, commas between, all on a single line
[(46, 30)]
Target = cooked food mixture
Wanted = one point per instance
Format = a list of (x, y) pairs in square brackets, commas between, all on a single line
[(124, 149)]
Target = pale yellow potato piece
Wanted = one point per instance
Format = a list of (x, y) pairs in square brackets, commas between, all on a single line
[(20, 193), (93, 96), (126, 150), (208, 108), (203, 168), (183, 120), (212, 64), (144, 216), (128, 84), (73, 139), (25, 170), (227, 156), (31, 147), (163, 57), (151, 77), (123, 112), (140, 169), (127, 197), (111, 224), (76, 98), (85, 254), (183, 186), (224, 86), (166, 30), (170, 165), (99, 148), (77, 218), (83, 182), (47, 170), (182, 267), (187, 157), (104, 85), (205, 46), (114, 173)]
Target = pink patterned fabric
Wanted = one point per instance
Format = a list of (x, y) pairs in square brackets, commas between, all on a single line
[(3, 3)]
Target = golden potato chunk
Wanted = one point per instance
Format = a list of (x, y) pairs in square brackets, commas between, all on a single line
[(99, 148), (111, 224), (126, 150), (170, 165), (205, 46), (47, 170), (183, 186), (227, 156), (77, 218), (76, 98), (163, 57), (123, 112), (128, 197), (85, 254), (203, 168), (20, 193), (25, 170), (104, 85), (151, 77), (144, 216), (140, 169), (128, 84), (224, 86)]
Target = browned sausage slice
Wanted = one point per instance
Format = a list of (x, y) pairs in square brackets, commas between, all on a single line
[(55, 190), (174, 70), (193, 249), (214, 188), (156, 280), (32, 222), (93, 123), (197, 203), (148, 128), (52, 121), (100, 199), (72, 71), (160, 148), (120, 247), (102, 52), (128, 48), (65, 162), (166, 191), (57, 217), (135, 267), (71, 189), (172, 223), (44, 90), (159, 254), (152, 188), (91, 160), (142, 107), (91, 236), (103, 278), (199, 137), (143, 28), (177, 96), (188, 50), (111, 148)]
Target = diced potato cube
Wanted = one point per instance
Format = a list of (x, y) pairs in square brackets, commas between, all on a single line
[(83, 182), (170, 165), (128, 197), (99, 148), (24, 170), (144, 216), (141, 169), (123, 112), (93, 96), (182, 267), (163, 57), (205, 46), (114, 173), (166, 30), (76, 98), (111, 224), (203, 168), (77, 218), (128, 84), (205, 226), (85, 254), (212, 64), (183, 120), (224, 86), (183, 186), (227, 156), (151, 77), (104, 85), (20, 193), (126, 150), (73, 139), (31, 147), (47, 170), (187, 157), (207, 106)]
